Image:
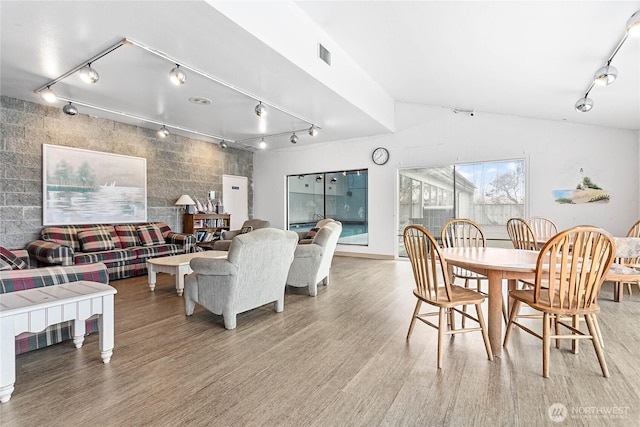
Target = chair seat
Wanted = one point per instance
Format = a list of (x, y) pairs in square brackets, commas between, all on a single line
[(459, 296), (543, 304)]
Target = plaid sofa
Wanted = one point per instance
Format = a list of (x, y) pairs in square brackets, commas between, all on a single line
[(123, 248), (33, 277)]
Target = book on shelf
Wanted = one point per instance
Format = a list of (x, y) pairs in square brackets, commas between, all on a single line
[(206, 236)]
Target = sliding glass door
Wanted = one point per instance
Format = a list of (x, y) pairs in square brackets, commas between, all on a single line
[(488, 193)]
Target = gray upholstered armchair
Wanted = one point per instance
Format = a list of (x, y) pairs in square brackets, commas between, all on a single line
[(312, 262), (248, 225), (254, 274)]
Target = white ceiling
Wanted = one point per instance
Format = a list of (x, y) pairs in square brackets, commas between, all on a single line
[(530, 59)]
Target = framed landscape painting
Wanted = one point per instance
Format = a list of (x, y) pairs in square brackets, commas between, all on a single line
[(91, 187)]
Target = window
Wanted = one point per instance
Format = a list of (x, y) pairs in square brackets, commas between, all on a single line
[(488, 193), (342, 196)]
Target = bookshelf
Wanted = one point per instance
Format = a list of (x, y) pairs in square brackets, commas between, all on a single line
[(206, 227)]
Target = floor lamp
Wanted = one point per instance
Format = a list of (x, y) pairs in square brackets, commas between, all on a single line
[(183, 201)]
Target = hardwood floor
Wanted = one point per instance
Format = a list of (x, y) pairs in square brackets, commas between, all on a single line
[(337, 359)]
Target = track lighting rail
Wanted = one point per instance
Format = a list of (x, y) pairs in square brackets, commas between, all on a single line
[(263, 104), (609, 73)]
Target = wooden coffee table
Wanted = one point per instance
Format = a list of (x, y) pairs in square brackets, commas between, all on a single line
[(177, 265)]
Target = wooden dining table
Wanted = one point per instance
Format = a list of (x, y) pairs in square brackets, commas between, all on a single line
[(496, 264)]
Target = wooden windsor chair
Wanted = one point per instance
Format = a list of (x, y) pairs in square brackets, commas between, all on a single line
[(429, 270), (543, 228), (570, 270), (465, 233), (632, 262)]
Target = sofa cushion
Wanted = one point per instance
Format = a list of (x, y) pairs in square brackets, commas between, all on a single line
[(150, 235), (18, 280), (157, 251), (246, 229), (107, 257), (95, 239), (128, 235), (63, 235), (9, 261)]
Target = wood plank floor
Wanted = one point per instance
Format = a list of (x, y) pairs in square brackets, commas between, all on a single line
[(339, 359)]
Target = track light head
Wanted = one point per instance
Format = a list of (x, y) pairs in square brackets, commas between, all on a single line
[(163, 132), (48, 95), (223, 144), (177, 76), (70, 109), (293, 138), (88, 74), (605, 75), (313, 130), (262, 144), (261, 110), (633, 25), (584, 105)]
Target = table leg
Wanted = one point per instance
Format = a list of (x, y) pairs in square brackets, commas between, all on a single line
[(106, 329), (79, 330), (618, 291), (151, 273), (182, 271), (7, 358), (494, 323)]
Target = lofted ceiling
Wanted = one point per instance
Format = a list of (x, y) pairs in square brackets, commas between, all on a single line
[(529, 59)]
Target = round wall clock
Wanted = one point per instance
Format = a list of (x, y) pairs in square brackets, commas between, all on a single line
[(380, 156)]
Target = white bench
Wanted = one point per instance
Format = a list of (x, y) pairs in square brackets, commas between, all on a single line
[(32, 310)]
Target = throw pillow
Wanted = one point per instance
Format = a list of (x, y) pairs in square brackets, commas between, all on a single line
[(128, 235), (311, 233), (9, 261), (246, 229), (96, 239), (150, 235)]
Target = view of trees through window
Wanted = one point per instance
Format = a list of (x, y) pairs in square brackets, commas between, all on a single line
[(488, 193), (342, 196)]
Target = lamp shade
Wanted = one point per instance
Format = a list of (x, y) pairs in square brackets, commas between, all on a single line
[(584, 105), (605, 75), (185, 200), (633, 25)]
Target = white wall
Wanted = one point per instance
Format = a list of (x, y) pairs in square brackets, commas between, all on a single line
[(429, 136)]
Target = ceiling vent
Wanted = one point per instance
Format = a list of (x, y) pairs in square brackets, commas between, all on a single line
[(324, 54)]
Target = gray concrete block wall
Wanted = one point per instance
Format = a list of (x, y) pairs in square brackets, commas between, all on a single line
[(176, 165)]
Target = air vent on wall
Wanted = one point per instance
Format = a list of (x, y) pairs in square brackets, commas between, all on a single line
[(324, 54)]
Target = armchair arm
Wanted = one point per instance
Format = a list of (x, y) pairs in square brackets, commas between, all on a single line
[(230, 234), (183, 239), (308, 251), (213, 267), (23, 254), (304, 267), (50, 253)]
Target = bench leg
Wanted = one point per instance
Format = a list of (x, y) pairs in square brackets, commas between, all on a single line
[(7, 358), (106, 328), (79, 331)]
